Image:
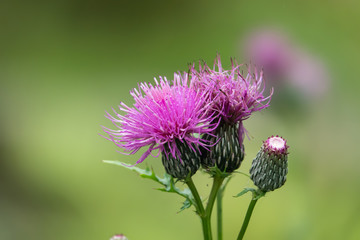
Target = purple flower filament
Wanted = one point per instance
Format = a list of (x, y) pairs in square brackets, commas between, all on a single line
[(233, 97), (162, 114)]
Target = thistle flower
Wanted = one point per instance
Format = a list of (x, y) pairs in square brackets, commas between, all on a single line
[(233, 97), (166, 117), (269, 168)]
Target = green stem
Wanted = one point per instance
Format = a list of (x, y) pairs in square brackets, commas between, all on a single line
[(247, 217), (196, 195), (205, 214), (219, 213), (205, 221), (215, 188)]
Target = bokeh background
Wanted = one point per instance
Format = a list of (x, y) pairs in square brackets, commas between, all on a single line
[(63, 63)]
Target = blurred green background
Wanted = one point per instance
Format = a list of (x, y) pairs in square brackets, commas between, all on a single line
[(63, 63)]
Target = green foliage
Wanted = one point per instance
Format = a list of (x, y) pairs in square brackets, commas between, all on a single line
[(245, 191), (167, 182), (186, 204), (257, 193), (215, 171)]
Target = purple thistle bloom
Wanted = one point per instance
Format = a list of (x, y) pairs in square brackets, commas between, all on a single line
[(233, 97), (163, 115)]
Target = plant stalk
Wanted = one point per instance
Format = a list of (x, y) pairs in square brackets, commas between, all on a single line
[(215, 188), (205, 220), (219, 213), (247, 218)]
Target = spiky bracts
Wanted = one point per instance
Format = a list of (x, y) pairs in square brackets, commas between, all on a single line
[(228, 152), (184, 168), (270, 166)]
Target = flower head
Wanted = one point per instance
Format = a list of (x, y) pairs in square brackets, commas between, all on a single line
[(163, 116), (275, 145), (269, 168), (233, 96)]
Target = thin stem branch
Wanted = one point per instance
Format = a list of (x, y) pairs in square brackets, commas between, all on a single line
[(205, 221), (247, 218), (196, 195), (219, 213), (219, 199), (215, 188)]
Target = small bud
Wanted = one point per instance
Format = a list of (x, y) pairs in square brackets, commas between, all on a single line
[(269, 168), (184, 167), (119, 237), (228, 153)]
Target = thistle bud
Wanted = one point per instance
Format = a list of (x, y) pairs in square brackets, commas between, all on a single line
[(270, 167), (119, 237), (183, 167), (228, 153)]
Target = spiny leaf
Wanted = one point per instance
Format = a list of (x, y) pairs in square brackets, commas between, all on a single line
[(167, 182), (144, 173), (186, 204), (245, 191), (256, 193)]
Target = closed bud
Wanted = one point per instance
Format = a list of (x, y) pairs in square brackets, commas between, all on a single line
[(228, 152), (186, 165), (270, 166)]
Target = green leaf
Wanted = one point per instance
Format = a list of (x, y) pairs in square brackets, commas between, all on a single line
[(186, 204), (215, 171), (256, 193), (167, 182), (145, 173), (245, 191)]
